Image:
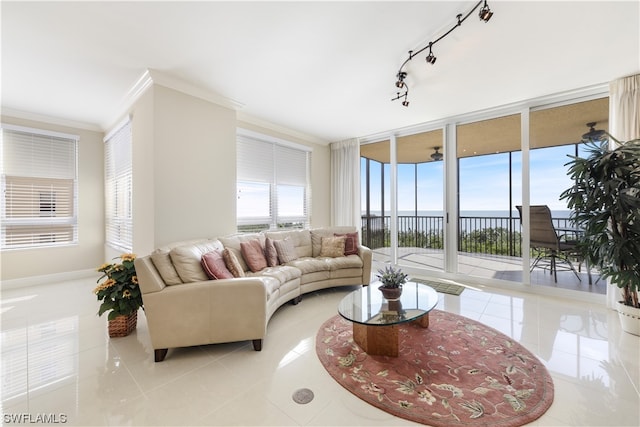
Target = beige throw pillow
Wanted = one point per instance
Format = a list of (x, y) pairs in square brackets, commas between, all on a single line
[(270, 252), (332, 246), (232, 263), (286, 251)]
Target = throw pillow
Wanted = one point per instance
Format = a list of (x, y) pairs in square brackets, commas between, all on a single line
[(332, 246), (232, 263), (351, 243), (286, 251), (253, 255), (213, 264), (270, 252)]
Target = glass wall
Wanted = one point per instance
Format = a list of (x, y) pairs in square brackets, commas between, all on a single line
[(420, 225), (492, 172)]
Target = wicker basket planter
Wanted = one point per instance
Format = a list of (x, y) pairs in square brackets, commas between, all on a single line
[(123, 325)]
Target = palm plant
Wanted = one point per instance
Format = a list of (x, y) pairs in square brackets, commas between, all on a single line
[(605, 203)]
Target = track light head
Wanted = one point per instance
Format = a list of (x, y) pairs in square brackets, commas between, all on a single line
[(485, 13), (431, 58), (405, 103), (401, 76)]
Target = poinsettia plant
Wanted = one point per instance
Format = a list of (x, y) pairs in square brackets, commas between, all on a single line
[(119, 292)]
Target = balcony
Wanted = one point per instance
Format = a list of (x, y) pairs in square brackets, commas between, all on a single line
[(488, 247)]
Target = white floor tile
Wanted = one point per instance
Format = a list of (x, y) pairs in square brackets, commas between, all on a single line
[(58, 358)]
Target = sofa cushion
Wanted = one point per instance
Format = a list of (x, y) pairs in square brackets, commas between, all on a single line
[(187, 260), (301, 240), (310, 265), (214, 266), (233, 242), (286, 251), (253, 255), (283, 273), (332, 247), (270, 252), (318, 233), (345, 262), (351, 243), (232, 263), (162, 261)]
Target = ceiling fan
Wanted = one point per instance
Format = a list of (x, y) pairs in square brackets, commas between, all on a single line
[(593, 134), (436, 156)]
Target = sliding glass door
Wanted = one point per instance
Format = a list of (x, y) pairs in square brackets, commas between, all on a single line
[(444, 202)]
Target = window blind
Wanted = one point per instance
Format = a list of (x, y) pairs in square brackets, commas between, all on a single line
[(119, 188), (273, 184), (39, 186)]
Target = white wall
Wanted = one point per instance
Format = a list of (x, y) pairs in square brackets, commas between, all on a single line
[(88, 254), (184, 181)]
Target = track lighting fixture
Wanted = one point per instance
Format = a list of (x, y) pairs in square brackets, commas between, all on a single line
[(431, 59), (484, 14), (400, 83), (403, 95)]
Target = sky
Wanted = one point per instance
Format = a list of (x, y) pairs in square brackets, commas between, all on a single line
[(484, 182)]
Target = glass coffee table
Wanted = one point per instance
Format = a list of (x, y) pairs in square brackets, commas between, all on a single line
[(376, 320)]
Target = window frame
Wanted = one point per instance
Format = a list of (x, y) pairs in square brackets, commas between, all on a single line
[(266, 159), (119, 200), (42, 228)]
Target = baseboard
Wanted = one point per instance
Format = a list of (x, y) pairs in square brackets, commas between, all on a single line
[(47, 278)]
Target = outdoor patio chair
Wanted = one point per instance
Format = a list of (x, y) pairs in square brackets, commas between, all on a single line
[(553, 251)]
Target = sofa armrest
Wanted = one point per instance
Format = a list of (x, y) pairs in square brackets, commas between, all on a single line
[(205, 312), (366, 256)]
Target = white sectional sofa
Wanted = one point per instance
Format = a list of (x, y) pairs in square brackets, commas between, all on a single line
[(185, 306)]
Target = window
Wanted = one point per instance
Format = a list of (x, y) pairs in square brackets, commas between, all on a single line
[(272, 183), (118, 188), (39, 188)]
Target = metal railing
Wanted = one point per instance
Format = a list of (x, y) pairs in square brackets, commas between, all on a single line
[(484, 235)]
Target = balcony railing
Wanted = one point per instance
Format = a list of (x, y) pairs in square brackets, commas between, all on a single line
[(484, 235)]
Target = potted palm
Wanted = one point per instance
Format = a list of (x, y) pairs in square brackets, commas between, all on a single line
[(605, 203), (392, 280), (120, 295)]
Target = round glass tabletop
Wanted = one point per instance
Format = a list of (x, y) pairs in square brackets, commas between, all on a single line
[(367, 306)]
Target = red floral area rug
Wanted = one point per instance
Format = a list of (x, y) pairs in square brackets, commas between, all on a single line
[(457, 372)]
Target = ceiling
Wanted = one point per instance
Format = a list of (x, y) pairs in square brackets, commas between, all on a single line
[(548, 127), (325, 70)]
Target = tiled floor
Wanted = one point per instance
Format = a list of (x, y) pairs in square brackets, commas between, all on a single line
[(496, 267), (57, 361)]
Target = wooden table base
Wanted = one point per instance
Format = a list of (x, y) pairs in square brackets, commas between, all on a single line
[(381, 340)]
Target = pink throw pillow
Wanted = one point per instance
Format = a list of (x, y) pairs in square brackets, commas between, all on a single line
[(213, 264), (253, 255), (351, 244)]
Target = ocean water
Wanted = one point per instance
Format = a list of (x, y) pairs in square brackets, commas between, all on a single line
[(479, 213)]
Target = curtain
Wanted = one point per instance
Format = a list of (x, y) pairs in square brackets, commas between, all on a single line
[(345, 183), (624, 108), (624, 125)]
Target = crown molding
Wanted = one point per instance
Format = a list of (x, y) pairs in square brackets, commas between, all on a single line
[(152, 77), (25, 115), (249, 119)]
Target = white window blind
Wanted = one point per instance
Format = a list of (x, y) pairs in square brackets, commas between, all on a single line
[(119, 188), (39, 188), (273, 184)]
